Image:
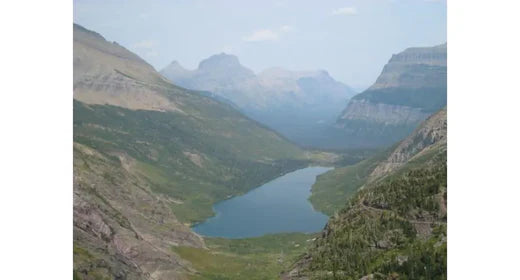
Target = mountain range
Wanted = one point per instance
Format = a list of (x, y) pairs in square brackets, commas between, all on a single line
[(294, 103)]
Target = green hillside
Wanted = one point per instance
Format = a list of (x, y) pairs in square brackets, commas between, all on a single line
[(332, 189), (395, 229), (392, 224), (195, 159), (150, 158)]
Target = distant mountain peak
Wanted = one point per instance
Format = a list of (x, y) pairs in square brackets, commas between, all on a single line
[(175, 62), (221, 60), (175, 65)]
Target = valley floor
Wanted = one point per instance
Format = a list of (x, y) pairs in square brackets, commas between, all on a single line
[(252, 258)]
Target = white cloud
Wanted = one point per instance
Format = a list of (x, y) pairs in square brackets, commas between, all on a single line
[(262, 35), (267, 34), (345, 11), (286, 28)]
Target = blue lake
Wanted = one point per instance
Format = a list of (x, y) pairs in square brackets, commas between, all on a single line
[(280, 205)]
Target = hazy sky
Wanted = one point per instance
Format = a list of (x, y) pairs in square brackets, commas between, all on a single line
[(350, 39)]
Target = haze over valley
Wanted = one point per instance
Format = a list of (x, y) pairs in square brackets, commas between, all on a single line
[(294, 103)]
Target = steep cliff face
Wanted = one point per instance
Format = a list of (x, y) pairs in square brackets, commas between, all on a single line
[(295, 103), (386, 114), (394, 226), (415, 68), (411, 87), (430, 135)]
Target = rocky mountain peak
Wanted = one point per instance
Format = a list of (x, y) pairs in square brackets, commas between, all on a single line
[(224, 65), (175, 68), (219, 61)]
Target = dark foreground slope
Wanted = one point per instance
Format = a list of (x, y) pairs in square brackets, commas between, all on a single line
[(395, 226), (411, 87), (150, 158)]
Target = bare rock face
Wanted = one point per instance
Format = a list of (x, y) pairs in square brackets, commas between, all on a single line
[(411, 87), (121, 224), (407, 69), (387, 114), (107, 73), (431, 133)]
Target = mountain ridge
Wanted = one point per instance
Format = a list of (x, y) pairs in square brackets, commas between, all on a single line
[(411, 86)]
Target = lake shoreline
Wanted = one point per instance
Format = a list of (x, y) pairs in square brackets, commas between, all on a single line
[(280, 205)]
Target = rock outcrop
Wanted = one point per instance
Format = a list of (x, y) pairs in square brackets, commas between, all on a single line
[(411, 87), (107, 73), (429, 135), (120, 227)]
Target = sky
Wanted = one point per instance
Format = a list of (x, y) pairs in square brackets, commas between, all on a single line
[(352, 40)]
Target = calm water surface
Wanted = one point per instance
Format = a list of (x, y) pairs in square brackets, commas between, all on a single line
[(280, 205)]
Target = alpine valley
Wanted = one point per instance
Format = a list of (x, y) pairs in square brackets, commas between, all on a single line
[(154, 152), (150, 158)]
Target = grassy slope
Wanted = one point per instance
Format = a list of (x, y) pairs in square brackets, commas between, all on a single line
[(253, 258), (384, 224), (333, 189), (196, 159), (189, 146)]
